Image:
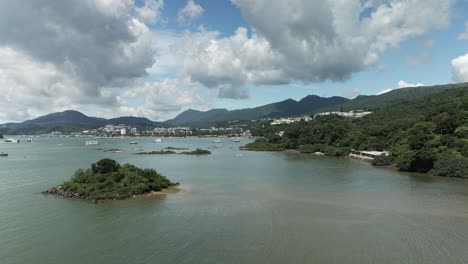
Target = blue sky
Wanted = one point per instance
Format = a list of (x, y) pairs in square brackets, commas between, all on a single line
[(423, 59), (157, 58)]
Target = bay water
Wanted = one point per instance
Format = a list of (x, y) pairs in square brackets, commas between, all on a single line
[(235, 207)]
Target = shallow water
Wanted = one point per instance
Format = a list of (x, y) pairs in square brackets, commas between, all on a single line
[(237, 207)]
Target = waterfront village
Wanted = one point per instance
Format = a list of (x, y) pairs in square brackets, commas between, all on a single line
[(235, 130), (123, 130)]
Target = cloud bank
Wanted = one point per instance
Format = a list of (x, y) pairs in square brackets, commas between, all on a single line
[(56, 55)]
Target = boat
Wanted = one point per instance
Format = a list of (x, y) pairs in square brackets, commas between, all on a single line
[(3, 154), (11, 140), (133, 142), (91, 142), (158, 140), (217, 141), (236, 140), (30, 140)]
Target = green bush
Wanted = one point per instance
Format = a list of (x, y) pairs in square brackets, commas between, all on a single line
[(451, 164), (105, 166), (383, 160), (336, 152)]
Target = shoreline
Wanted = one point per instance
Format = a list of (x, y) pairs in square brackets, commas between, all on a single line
[(56, 192), (391, 167)]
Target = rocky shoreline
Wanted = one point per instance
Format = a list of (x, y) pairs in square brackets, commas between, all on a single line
[(60, 192)]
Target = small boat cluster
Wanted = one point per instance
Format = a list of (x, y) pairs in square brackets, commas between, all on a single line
[(91, 142)]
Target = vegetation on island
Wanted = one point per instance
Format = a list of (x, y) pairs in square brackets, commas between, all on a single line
[(427, 134), (197, 152), (174, 148), (169, 152), (107, 179)]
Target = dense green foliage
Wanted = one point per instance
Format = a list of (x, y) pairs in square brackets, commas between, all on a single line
[(264, 145), (197, 152), (451, 163), (107, 179), (383, 160), (416, 132), (374, 102), (279, 109)]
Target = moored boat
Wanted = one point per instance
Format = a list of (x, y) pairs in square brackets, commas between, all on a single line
[(91, 142), (3, 154), (133, 142), (158, 140)]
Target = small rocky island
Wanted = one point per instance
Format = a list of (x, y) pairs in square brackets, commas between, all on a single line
[(108, 180), (170, 152)]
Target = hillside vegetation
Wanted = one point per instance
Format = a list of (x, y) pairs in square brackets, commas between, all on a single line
[(423, 135), (374, 102)]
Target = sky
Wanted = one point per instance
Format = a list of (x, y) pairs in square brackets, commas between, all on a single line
[(157, 58)]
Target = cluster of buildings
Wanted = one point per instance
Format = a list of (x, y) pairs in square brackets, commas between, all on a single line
[(113, 130), (123, 130), (354, 113), (289, 120), (172, 131)]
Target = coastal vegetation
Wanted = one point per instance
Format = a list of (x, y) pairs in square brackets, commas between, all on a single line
[(169, 152), (428, 134), (196, 152), (174, 148), (107, 179)]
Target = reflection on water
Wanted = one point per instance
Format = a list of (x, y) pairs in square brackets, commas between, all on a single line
[(254, 208)]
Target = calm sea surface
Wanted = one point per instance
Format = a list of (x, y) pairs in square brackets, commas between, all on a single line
[(238, 207)]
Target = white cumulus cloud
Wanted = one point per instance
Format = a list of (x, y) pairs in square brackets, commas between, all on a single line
[(150, 12), (309, 40), (460, 69), (57, 54), (401, 84), (189, 12)]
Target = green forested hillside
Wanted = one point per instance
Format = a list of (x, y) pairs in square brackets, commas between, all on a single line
[(68, 121), (425, 134), (284, 108), (375, 102)]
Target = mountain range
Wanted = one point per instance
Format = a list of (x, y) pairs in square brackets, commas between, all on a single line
[(70, 121)]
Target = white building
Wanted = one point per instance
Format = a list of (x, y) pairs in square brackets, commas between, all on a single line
[(123, 131), (353, 113), (368, 154)]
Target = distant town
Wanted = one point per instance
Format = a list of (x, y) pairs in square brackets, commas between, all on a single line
[(239, 130), (123, 130)]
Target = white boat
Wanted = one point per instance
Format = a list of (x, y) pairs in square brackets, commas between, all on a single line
[(158, 140), (236, 140), (30, 140), (217, 141), (91, 142), (11, 140), (133, 142)]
